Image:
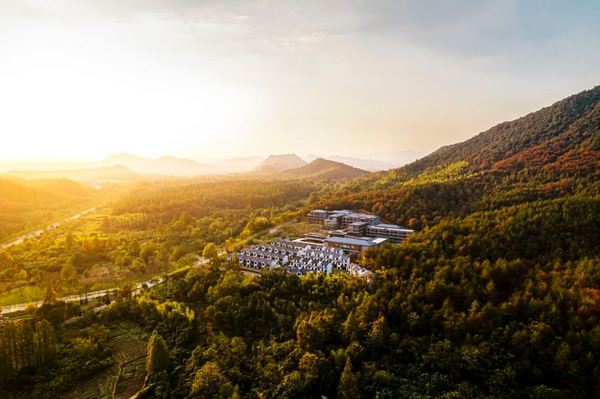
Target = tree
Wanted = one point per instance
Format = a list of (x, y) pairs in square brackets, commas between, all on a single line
[(68, 272), (210, 251), (6, 369), (208, 379), (49, 294), (348, 386), (158, 354), (236, 393), (350, 327), (148, 251), (69, 240)]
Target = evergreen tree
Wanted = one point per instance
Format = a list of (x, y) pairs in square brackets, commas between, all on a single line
[(348, 386), (158, 354), (236, 393)]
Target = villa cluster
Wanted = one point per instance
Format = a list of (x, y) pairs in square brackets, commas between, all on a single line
[(296, 256), (345, 234)]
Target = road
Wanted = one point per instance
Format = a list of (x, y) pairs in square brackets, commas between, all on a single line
[(37, 233), (200, 261)]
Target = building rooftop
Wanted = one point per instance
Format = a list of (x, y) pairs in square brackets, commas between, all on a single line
[(379, 240), (351, 241), (390, 226), (361, 215)]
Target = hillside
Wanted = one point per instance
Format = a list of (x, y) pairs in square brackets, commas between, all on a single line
[(324, 169), (25, 204), (563, 137), (551, 153), (279, 163)]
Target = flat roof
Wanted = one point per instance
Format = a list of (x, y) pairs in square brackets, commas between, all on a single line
[(362, 215), (350, 241), (379, 240), (358, 224), (391, 227), (387, 226)]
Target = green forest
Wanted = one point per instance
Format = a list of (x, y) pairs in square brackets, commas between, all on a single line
[(496, 294)]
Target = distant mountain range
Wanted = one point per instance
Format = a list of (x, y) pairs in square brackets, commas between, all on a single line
[(127, 167), (166, 166)]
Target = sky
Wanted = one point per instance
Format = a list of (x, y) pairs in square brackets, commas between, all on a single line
[(85, 79)]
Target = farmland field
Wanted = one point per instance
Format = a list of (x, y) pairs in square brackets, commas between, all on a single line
[(126, 376)]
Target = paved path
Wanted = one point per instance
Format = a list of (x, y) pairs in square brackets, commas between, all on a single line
[(39, 232)]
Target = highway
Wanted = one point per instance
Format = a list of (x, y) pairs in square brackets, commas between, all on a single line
[(37, 233)]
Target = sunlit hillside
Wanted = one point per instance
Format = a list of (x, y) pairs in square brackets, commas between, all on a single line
[(148, 289), (299, 199), (27, 204)]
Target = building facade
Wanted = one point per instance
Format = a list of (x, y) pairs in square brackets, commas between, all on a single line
[(358, 225), (392, 232)]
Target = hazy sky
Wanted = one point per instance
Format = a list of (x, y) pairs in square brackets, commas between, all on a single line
[(190, 78)]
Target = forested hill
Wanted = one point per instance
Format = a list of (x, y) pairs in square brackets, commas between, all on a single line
[(551, 153), (564, 136)]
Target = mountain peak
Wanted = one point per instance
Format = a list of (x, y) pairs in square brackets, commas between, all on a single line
[(280, 163), (325, 169)]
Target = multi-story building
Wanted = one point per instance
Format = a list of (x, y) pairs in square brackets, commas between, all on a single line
[(392, 232), (359, 217), (317, 216), (335, 219), (358, 228), (358, 225)]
